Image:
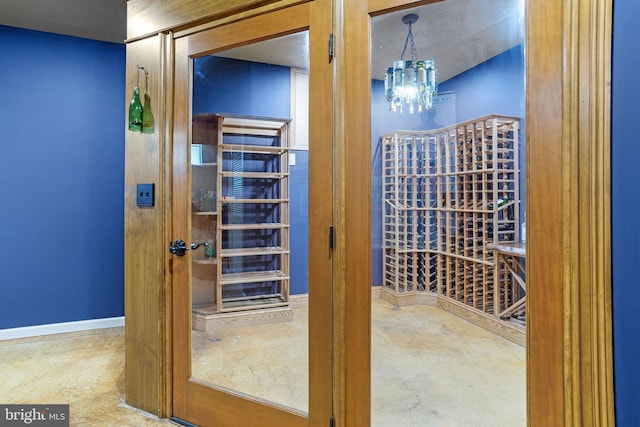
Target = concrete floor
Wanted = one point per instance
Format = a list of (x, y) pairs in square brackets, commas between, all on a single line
[(430, 368), (84, 370)]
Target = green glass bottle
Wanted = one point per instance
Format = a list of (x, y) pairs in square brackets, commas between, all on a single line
[(135, 111), (147, 115)]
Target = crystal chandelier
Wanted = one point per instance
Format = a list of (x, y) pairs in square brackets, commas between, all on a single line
[(410, 84)]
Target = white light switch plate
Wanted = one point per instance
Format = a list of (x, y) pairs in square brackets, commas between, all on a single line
[(292, 159)]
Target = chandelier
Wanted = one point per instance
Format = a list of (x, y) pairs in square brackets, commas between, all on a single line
[(412, 83)]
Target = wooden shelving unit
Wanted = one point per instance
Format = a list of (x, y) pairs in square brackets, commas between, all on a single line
[(253, 234), (249, 222), (447, 193)]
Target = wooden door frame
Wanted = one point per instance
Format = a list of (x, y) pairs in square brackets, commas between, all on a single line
[(569, 346), (569, 338)]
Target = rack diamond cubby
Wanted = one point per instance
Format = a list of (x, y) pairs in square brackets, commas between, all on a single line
[(447, 194)]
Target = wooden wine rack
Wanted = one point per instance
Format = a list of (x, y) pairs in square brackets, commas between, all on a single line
[(447, 194)]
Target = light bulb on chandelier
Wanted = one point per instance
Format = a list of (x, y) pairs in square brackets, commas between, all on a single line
[(413, 83)]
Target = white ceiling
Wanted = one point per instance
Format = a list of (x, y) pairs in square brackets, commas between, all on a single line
[(457, 34)]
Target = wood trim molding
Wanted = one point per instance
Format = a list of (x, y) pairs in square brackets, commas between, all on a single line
[(569, 363), (587, 93), (149, 17), (166, 138)]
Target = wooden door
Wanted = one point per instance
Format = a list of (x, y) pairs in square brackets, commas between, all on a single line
[(197, 398), (569, 380)]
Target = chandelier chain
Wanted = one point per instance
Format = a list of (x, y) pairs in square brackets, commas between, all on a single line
[(414, 53)]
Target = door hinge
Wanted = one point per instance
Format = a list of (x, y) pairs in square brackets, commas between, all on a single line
[(330, 48), (332, 421), (331, 237)]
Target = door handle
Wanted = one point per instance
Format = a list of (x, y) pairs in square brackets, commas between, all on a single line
[(197, 245), (179, 247)]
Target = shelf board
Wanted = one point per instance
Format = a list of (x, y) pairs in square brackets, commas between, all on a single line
[(252, 277), (269, 225), (204, 260), (252, 305), (205, 213), (258, 301), (253, 251), (452, 209), (254, 175), (207, 164), (254, 201), (253, 149), (246, 125), (243, 130), (263, 297)]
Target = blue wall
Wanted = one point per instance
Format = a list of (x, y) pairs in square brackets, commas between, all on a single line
[(61, 178), (495, 86), (625, 183), (231, 86), (498, 82)]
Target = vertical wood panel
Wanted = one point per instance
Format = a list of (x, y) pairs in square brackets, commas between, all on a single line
[(545, 214), (144, 242), (320, 217), (352, 213)]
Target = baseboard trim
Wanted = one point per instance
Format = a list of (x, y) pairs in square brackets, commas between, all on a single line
[(61, 328)]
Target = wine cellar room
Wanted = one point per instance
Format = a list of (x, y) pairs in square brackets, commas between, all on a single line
[(448, 216)]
